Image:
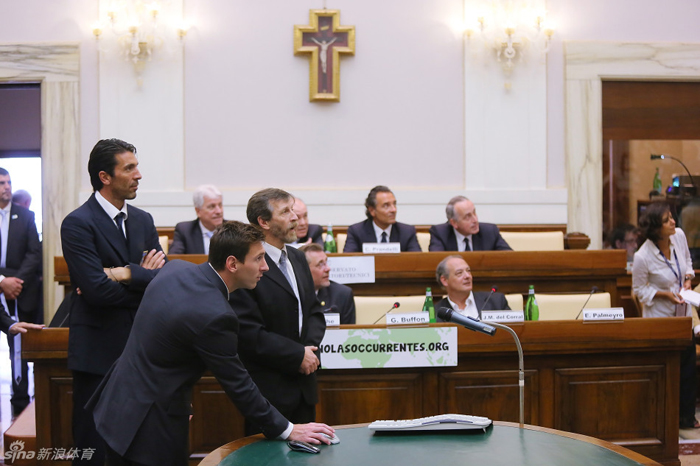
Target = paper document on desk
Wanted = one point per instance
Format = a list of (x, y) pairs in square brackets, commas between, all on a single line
[(691, 297)]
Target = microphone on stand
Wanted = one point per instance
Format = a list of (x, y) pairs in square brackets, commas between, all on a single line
[(494, 288), (395, 306), (593, 290), (448, 315), (332, 310)]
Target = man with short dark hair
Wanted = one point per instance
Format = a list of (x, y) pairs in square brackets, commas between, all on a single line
[(454, 274), (334, 297), (112, 252), (463, 232), (193, 237), (381, 225), (625, 237), (185, 326), (20, 286), (307, 233), (282, 323)]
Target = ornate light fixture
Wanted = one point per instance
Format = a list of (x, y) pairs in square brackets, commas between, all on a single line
[(141, 29), (509, 30)]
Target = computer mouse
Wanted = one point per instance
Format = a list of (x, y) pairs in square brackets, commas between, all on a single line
[(298, 445), (334, 439)]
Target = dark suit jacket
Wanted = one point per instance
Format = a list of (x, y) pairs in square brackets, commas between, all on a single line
[(315, 232), (187, 238), (363, 232), (183, 327), (442, 238), (101, 317), (340, 296), (497, 302), (270, 345), (23, 260)]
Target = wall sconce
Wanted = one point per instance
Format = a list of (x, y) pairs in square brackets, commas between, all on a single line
[(140, 29), (508, 30)]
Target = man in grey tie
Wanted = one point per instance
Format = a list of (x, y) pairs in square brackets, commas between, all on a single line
[(192, 237), (282, 322), (20, 262)]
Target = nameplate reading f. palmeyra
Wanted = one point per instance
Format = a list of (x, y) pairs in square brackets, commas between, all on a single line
[(502, 316), (381, 248), (332, 319), (407, 318), (610, 313)]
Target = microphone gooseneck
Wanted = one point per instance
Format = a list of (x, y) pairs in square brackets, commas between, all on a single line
[(448, 315), (395, 306), (494, 288), (593, 290)]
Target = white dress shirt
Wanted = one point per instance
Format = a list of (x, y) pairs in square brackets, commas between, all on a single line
[(469, 310), (461, 247), (652, 273), (378, 233), (111, 210), (206, 236)]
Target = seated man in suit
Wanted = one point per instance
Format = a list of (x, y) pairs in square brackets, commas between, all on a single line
[(192, 237), (463, 232), (330, 294), (454, 274), (381, 225), (184, 327), (307, 233)]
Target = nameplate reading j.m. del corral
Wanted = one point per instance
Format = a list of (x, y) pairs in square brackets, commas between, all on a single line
[(332, 319), (610, 313), (404, 318), (502, 316), (367, 348), (346, 270), (381, 248)]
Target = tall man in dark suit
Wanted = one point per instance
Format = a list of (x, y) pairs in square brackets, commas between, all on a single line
[(306, 232), (334, 297), (381, 225), (112, 253), (193, 237), (282, 323), (20, 263), (185, 326), (454, 274), (463, 232)]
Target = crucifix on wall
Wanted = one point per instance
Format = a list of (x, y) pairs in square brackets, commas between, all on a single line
[(325, 39)]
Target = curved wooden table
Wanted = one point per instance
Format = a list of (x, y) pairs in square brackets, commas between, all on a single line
[(503, 444)]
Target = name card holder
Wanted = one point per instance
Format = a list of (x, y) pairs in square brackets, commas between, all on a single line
[(503, 316), (605, 314), (381, 248), (347, 270), (332, 319), (407, 318)]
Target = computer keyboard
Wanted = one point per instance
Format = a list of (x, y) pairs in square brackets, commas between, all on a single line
[(441, 422)]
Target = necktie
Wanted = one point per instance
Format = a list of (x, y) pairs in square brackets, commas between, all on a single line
[(120, 221), (384, 237), (207, 240), (466, 245), (283, 267)]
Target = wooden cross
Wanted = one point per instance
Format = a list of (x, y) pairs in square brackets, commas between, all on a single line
[(325, 39)]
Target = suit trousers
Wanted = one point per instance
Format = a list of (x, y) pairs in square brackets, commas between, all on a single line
[(84, 432), (20, 391)]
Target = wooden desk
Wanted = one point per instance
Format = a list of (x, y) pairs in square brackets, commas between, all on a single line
[(614, 381), (409, 273)]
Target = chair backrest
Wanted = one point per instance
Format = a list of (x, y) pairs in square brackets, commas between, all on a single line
[(534, 240), (164, 243), (515, 301), (423, 240), (370, 308), (340, 241), (567, 306)]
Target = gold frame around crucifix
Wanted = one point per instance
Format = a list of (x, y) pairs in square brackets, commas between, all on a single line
[(315, 94)]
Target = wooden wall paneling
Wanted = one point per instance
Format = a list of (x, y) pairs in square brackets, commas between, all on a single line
[(217, 420), (344, 399)]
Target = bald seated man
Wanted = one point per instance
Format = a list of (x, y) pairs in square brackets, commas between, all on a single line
[(454, 274), (463, 232), (307, 233)]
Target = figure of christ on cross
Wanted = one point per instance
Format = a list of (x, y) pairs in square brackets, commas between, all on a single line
[(325, 40)]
